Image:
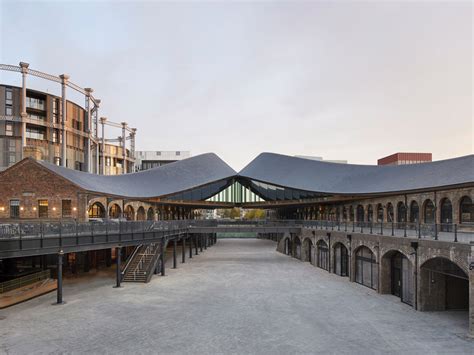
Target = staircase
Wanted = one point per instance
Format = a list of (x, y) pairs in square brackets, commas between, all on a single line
[(141, 264)]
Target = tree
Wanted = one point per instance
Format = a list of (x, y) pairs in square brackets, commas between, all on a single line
[(231, 213), (254, 214)]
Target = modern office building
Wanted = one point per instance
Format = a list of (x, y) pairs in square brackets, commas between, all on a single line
[(405, 158), (145, 160), (32, 124)]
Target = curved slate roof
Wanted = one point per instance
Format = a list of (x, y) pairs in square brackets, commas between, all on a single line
[(334, 178), (165, 180)]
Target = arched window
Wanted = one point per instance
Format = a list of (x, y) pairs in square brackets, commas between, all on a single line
[(401, 212), (115, 211), (141, 214), (446, 215), (414, 212), (351, 213), (97, 210), (366, 268), (379, 213), (370, 214), (129, 213), (344, 213), (466, 210), (338, 214), (390, 213), (150, 214), (360, 213), (429, 212)]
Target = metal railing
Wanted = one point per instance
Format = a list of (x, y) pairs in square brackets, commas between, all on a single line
[(451, 232), (24, 281), (31, 236)]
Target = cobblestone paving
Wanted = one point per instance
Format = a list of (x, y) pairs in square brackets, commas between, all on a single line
[(238, 297)]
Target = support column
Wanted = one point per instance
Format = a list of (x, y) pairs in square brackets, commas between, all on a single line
[(59, 299), (190, 246), (87, 155), (118, 254), (124, 147), (206, 239), (96, 132), (64, 79), (163, 255), (175, 242), (200, 242), (183, 254), (23, 114), (196, 244), (102, 122)]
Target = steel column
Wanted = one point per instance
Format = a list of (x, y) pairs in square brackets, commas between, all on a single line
[(175, 242), (64, 79), (183, 251), (163, 252), (60, 278), (118, 252), (190, 247)]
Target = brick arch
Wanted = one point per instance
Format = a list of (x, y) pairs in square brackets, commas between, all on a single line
[(461, 263)]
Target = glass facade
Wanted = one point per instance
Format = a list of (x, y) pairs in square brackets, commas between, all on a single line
[(366, 268)]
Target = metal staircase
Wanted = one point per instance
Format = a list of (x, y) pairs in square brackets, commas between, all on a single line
[(141, 264)]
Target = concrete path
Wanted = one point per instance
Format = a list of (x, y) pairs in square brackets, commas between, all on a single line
[(237, 297)]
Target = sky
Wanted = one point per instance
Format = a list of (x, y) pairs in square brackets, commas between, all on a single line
[(343, 80)]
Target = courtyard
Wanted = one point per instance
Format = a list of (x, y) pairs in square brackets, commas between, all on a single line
[(239, 296)]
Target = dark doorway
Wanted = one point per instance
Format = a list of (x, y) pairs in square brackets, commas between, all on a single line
[(341, 260)]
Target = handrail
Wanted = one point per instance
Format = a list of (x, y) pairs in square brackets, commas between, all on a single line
[(130, 258)]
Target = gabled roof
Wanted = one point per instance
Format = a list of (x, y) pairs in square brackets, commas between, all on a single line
[(350, 179), (153, 183)]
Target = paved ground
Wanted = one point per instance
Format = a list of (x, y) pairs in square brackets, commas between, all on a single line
[(238, 297)]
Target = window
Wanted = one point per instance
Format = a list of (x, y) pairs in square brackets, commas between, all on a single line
[(66, 208), (43, 208), (9, 129), (8, 102), (57, 161), (9, 96), (35, 103), (178, 154), (107, 161), (35, 132), (14, 208), (11, 158), (35, 116), (78, 165), (366, 268)]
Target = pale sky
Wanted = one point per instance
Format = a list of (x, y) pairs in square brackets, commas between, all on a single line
[(343, 80)]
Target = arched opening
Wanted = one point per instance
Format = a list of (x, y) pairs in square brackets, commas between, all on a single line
[(308, 250), (344, 213), (360, 213), (429, 212), (297, 242), (446, 215), (366, 272), (397, 276), (341, 260), (141, 216), (322, 257), (115, 211), (370, 214), (444, 286), (379, 213), (401, 212), (351, 213), (338, 214), (414, 212), (466, 210), (287, 246), (150, 214), (96, 210), (129, 213), (390, 218)]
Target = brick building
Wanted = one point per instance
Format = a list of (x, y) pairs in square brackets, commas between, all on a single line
[(405, 158)]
